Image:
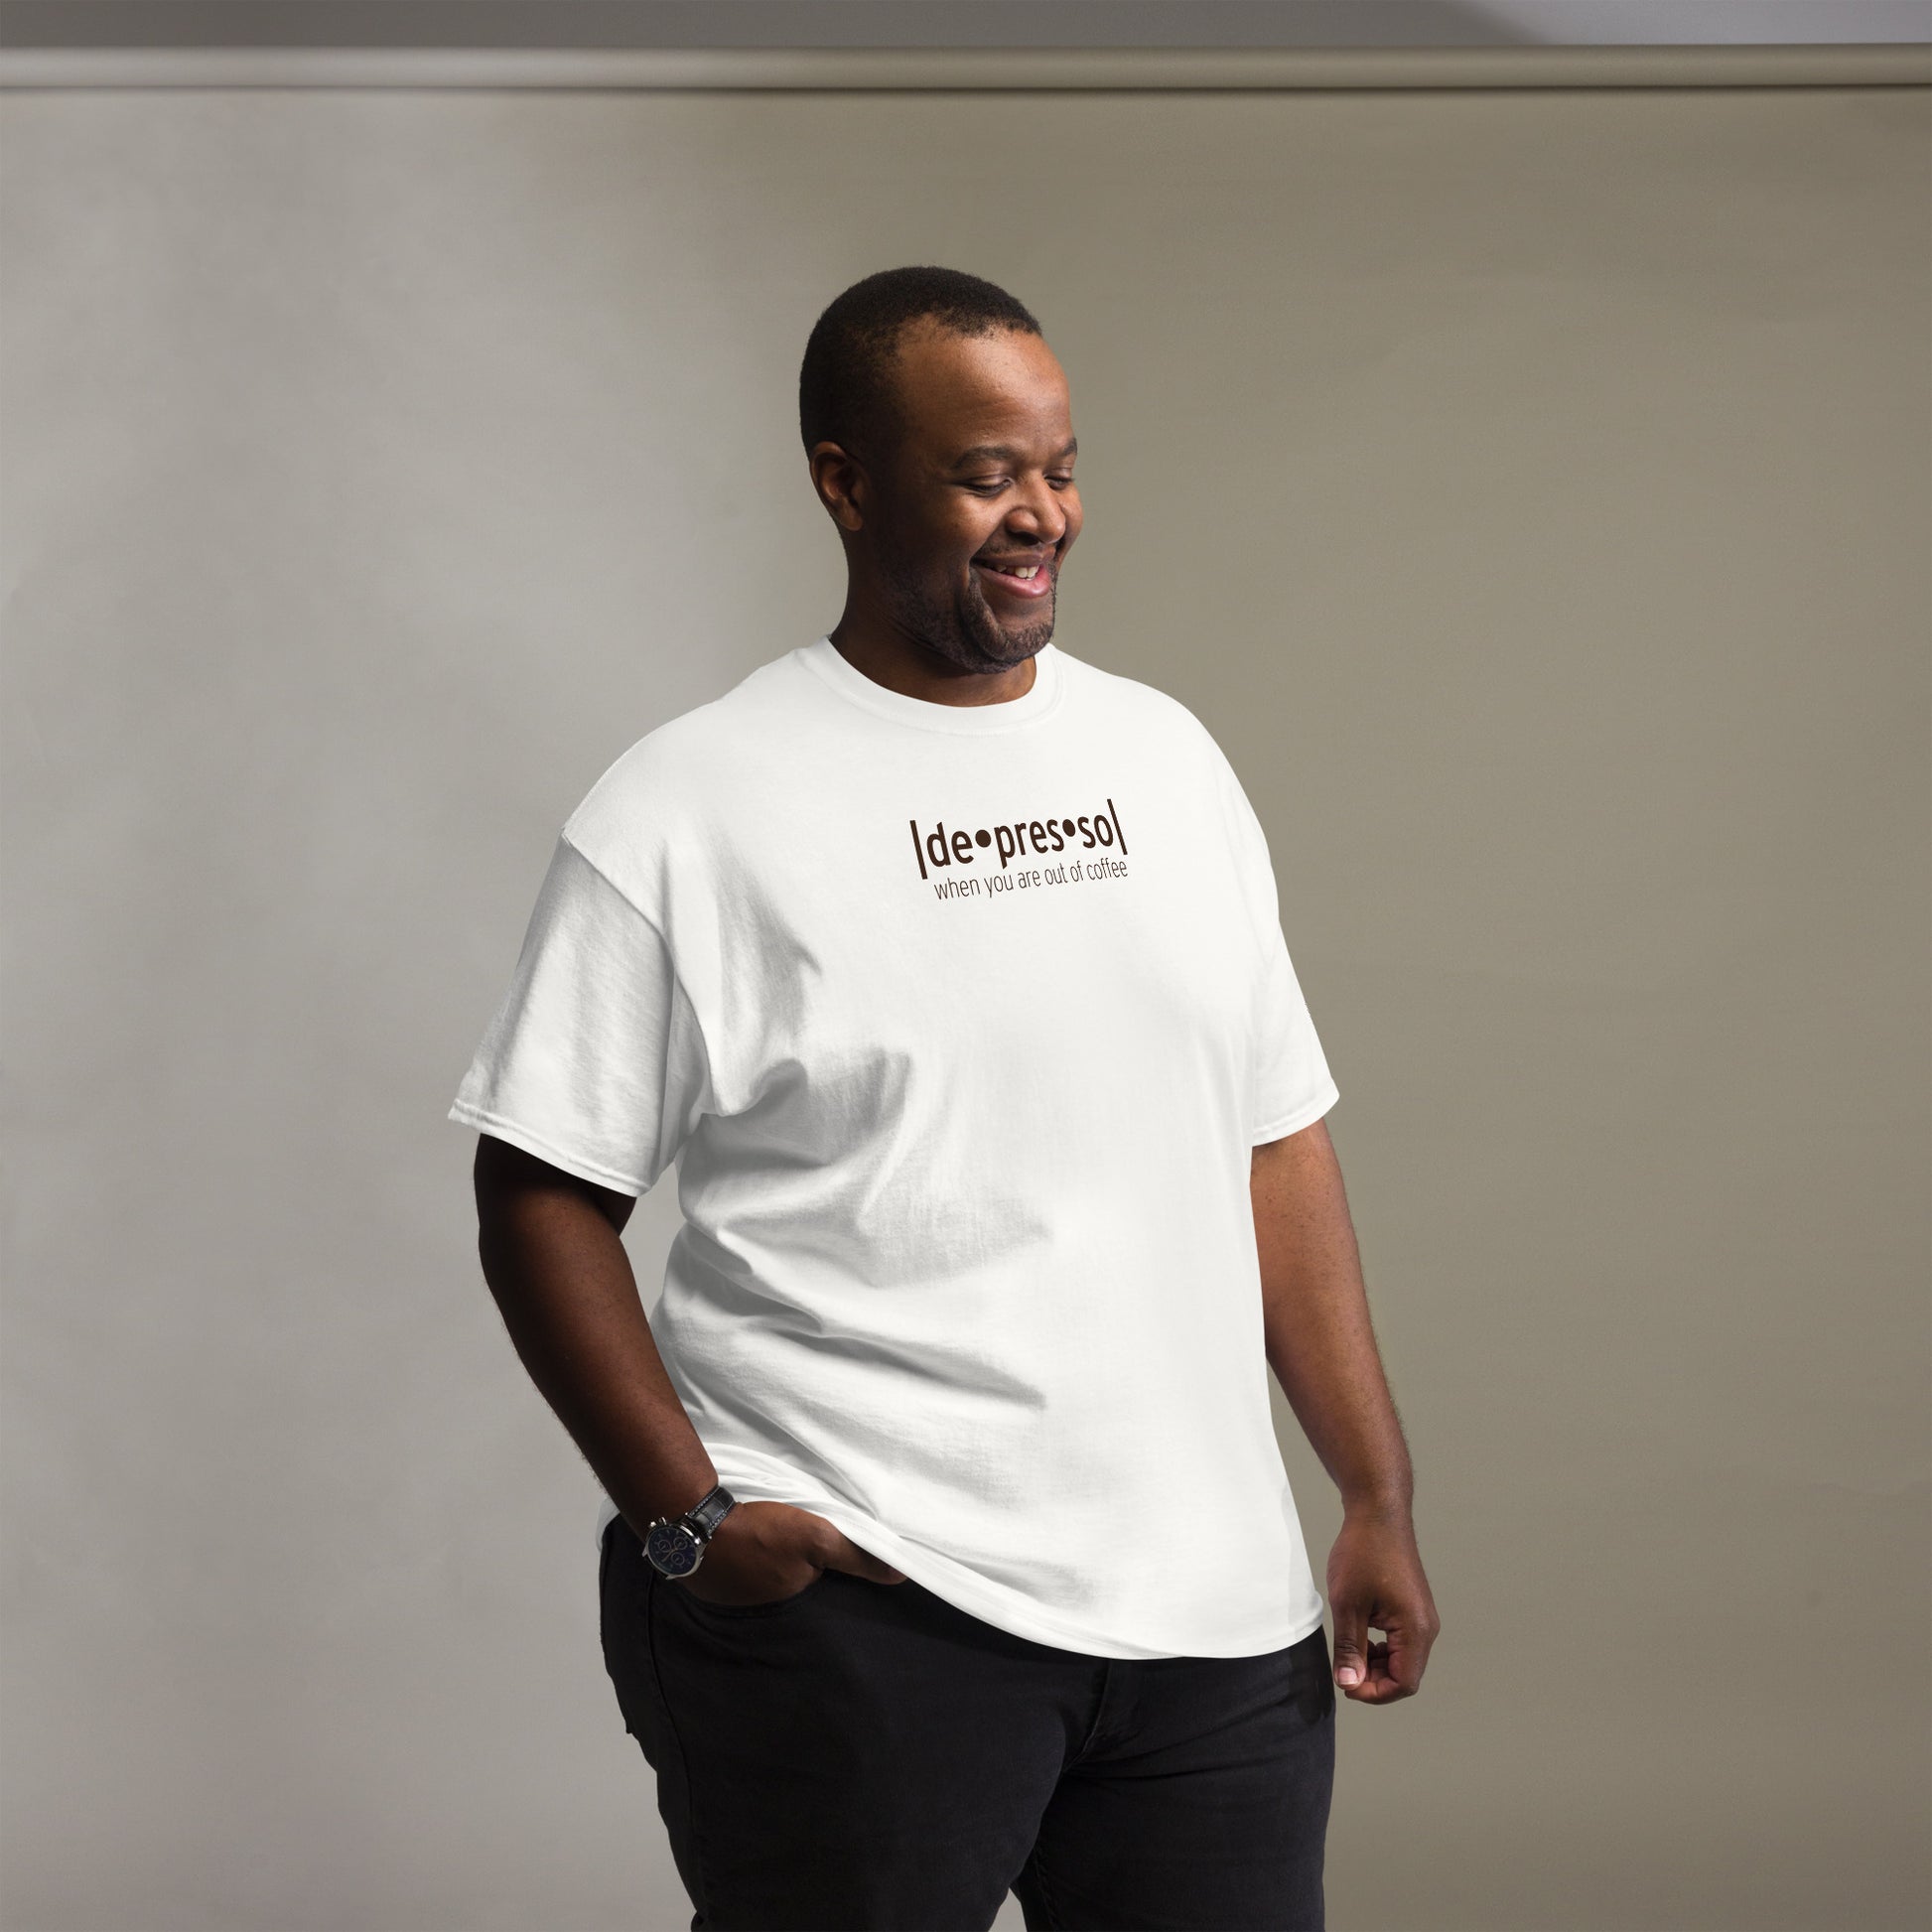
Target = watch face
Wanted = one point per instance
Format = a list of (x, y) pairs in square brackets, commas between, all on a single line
[(672, 1549)]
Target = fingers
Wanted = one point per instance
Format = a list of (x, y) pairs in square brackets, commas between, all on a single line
[(1387, 1676), (1351, 1645), (847, 1555)]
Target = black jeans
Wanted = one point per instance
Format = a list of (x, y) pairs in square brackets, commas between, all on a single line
[(868, 1755)]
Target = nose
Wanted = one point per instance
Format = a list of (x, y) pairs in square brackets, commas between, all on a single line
[(1040, 519)]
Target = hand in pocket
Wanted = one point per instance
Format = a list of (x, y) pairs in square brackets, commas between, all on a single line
[(764, 1552)]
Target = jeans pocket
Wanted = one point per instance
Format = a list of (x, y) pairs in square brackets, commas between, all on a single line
[(1312, 1675), (735, 1612), (624, 1611)]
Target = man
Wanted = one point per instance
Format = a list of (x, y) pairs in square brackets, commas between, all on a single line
[(946, 1544)]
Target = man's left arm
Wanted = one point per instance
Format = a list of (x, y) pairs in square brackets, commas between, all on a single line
[(1321, 1349)]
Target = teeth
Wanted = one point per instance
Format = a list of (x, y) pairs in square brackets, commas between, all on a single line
[(1031, 570)]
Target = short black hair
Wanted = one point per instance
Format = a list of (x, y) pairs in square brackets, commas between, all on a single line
[(846, 393)]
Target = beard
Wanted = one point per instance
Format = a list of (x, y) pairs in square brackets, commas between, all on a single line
[(963, 629)]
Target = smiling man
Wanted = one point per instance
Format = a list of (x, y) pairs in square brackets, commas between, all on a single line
[(946, 1546)]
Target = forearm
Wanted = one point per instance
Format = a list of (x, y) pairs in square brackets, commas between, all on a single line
[(564, 1284), (1320, 1343)]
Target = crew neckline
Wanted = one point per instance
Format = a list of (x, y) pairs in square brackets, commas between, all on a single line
[(1041, 701)]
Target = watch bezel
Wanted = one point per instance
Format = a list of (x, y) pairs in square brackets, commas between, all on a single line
[(669, 1539), (687, 1534)]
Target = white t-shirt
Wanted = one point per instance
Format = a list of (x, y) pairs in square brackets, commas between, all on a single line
[(959, 1023)]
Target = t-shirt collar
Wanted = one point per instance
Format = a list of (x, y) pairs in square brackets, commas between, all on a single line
[(825, 659)]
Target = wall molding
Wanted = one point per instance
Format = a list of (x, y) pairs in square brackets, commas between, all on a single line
[(925, 70)]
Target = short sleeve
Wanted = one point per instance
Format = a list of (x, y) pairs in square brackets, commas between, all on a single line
[(1292, 1085), (594, 1060)]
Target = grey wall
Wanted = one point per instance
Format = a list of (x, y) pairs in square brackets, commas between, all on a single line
[(1549, 473)]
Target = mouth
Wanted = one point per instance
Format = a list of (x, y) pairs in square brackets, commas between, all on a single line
[(1026, 577)]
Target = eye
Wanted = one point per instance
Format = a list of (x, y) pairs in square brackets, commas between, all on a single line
[(993, 488)]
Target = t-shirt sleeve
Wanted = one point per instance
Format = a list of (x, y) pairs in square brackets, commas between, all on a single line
[(1292, 1087), (595, 1061)]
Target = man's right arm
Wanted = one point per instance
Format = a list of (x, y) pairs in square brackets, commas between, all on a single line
[(550, 1247), (551, 1254)]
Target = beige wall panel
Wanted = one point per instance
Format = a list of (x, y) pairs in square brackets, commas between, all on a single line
[(1531, 492)]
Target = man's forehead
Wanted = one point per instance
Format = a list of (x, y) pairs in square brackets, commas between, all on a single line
[(965, 392)]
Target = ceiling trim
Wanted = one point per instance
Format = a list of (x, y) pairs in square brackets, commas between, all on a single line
[(899, 70)]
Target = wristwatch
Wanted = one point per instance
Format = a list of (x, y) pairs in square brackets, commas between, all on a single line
[(675, 1544)]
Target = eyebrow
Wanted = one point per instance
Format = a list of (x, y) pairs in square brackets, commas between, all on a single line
[(980, 451)]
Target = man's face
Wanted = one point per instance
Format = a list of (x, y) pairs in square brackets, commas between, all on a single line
[(983, 475)]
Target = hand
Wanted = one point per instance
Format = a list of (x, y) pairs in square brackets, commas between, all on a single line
[(764, 1552), (1375, 1577)]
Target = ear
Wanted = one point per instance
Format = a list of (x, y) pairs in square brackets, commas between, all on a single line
[(842, 484)]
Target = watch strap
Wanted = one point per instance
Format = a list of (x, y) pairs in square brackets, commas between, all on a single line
[(710, 1510)]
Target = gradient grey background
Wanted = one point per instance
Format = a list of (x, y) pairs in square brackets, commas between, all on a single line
[(1530, 491)]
